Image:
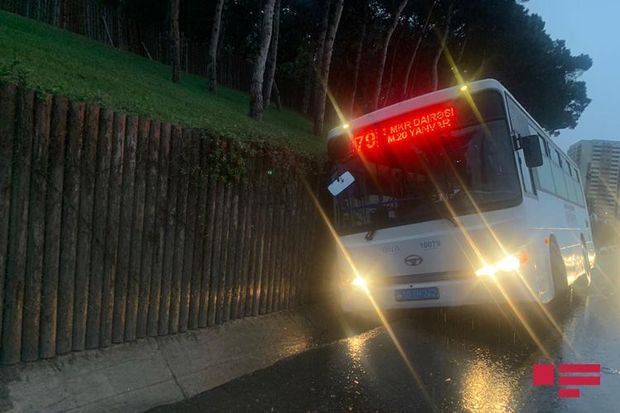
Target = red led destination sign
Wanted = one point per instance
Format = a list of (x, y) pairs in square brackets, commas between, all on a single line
[(405, 127)]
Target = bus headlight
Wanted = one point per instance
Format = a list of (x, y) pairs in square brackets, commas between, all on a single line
[(510, 263), (359, 282)]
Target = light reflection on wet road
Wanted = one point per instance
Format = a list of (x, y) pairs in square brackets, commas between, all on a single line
[(467, 359)]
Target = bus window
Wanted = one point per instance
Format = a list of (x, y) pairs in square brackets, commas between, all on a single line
[(558, 179), (571, 187), (544, 173), (521, 127), (559, 158), (528, 184)]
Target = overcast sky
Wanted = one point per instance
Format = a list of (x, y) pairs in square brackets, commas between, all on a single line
[(589, 26)]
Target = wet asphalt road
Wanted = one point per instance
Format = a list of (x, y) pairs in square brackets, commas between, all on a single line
[(471, 359)]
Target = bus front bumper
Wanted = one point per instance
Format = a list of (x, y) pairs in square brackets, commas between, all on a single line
[(451, 293)]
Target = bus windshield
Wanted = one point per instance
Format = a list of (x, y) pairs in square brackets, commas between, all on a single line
[(457, 171)]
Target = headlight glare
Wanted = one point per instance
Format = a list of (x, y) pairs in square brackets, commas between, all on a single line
[(508, 264)]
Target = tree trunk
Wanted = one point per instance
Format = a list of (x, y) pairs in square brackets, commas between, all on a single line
[(175, 41), (388, 88), (317, 59), (356, 71), (213, 43), (374, 103), (308, 84), (328, 48), (417, 47), (442, 46), (258, 74), (272, 56), (276, 93)]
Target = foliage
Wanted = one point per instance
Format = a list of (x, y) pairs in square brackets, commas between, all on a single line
[(506, 43), (488, 39), (61, 63)]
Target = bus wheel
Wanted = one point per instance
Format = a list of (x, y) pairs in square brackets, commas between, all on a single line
[(583, 282), (561, 291)]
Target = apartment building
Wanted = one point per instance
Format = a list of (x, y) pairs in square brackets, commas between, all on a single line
[(599, 165)]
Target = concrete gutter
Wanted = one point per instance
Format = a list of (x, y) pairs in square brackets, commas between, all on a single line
[(155, 371)]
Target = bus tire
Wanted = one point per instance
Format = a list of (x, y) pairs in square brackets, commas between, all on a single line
[(583, 282), (586, 261), (561, 291)]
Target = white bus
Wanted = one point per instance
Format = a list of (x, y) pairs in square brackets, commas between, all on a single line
[(457, 197)]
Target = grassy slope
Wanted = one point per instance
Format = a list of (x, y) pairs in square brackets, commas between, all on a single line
[(59, 62)]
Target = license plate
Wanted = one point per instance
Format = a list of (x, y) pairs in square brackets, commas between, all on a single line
[(415, 294)]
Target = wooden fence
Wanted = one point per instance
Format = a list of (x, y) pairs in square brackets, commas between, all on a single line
[(115, 227)]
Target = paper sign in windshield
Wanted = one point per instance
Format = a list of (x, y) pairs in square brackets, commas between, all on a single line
[(341, 183)]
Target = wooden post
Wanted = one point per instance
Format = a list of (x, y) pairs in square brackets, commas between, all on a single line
[(207, 267), (279, 252), (149, 238), (53, 218), (248, 228), (260, 249), (18, 229), (161, 219), (180, 230), (7, 132), (297, 229), (191, 159), (267, 277), (125, 230), (104, 146), (171, 220), (112, 229), (135, 260), (199, 238), (221, 285), (216, 246), (240, 245), (68, 235), (285, 238), (85, 225), (36, 230), (232, 250)]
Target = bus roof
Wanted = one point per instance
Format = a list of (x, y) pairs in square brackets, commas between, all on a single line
[(414, 103)]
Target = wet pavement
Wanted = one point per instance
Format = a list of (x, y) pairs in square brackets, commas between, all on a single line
[(472, 359)]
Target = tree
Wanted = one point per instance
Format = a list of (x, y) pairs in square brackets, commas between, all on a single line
[(441, 49), (175, 41), (327, 50), (258, 72), (315, 68), (213, 46), (374, 103), (272, 56), (356, 71), (421, 35), (539, 71)]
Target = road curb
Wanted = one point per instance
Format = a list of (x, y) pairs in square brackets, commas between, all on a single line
[(155, 371)]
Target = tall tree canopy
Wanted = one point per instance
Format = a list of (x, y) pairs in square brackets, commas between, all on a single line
[(484, 39)]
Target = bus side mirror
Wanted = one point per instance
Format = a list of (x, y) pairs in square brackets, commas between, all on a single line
[(531, 151)]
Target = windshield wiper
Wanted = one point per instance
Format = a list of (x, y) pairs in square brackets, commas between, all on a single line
[(378, 217)]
